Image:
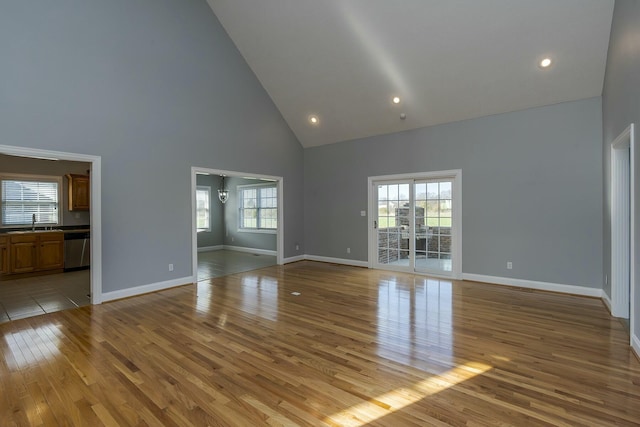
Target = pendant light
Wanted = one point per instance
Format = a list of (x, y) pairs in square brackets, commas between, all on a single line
[(223, 193)]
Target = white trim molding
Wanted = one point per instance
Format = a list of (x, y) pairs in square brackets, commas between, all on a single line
[(145, 289), (294, 259), (622, 204), (96, 204), (250, 250), (195, 170), (352, 262), (211, 248), (635, 345), (606, 300), (531, 284)]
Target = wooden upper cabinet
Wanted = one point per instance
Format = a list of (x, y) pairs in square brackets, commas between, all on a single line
[(79, 192)]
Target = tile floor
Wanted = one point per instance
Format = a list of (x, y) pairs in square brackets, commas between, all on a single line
[(220, 263), (33, 296)]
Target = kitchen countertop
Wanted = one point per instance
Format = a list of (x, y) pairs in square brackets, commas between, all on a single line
[(55, 230)]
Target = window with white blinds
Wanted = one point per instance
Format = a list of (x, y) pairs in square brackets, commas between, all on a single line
[(23, 197), (258, 206)]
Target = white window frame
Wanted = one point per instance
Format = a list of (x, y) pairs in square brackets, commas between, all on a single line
[(36, 178), (240, 207), (208, 190)]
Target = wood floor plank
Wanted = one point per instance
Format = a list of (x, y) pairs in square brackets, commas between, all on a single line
[(356, 347)]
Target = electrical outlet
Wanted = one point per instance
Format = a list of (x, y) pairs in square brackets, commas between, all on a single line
[(170, 267), (297, 247), (606, 279), (232, 239), (348, 250), (363, 213), (509, 265)]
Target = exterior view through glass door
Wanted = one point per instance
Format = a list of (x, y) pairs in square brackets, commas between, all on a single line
[(414, 225)]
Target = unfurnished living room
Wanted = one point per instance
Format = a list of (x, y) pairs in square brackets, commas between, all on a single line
[(339, 212)]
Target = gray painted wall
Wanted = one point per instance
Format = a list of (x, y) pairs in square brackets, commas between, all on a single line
[(620, 107), (243, 239), (154, 87), (22, 165), (215, 237), (531, 185)]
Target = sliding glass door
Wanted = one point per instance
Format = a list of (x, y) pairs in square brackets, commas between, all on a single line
[(413, 225)]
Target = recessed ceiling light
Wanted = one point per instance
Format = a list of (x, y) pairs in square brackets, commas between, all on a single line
[(314, 120), (545, 63), (396, 100)]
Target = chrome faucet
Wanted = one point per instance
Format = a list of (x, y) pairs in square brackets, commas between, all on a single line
[(33, 222)]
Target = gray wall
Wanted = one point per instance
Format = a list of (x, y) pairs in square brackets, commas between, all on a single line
[(215, 237), (620, 107), (154, 87), (22, 165), (531, 185), (243, 239)]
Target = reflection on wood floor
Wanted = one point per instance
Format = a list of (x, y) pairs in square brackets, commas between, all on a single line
[(220, 263), (356, 347)]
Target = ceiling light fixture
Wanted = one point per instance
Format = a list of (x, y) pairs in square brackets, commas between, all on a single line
[(314, 120), (223, 193), (545, 63), (396, 100)]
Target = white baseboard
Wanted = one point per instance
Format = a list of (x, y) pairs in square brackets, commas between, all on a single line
[(606, 300), (250, 250), (211, 248), (531, 284), (145, 289), (635, 345), (293, 259), (352, 262)]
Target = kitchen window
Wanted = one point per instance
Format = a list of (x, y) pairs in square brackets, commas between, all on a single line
[(24, 196), (203, 208), (258, 208)]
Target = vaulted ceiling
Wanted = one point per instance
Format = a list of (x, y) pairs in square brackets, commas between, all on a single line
[(343, 61)]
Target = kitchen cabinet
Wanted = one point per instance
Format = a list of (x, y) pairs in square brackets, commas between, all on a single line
[(51, 251), (4, 255), (35, 252), (79, 192), (23, 253)]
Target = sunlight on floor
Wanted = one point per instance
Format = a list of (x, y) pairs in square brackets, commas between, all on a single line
[(402, 397)]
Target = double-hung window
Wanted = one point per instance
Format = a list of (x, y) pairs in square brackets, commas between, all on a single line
[(258, 207), (29, 197), (203, 207)]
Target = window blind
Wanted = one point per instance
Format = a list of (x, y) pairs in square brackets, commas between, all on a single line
[(21, 199)]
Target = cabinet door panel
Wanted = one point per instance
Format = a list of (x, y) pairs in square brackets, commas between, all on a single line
[(23, 257), (51, 255)]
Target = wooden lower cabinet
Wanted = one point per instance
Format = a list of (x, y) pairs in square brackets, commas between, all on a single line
[(32, 253), (50, 252), (23, 253), (4, 255)]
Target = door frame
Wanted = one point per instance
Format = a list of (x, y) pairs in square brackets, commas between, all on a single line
[(96, 204), (622, 205), (194, 234), (456, 236)]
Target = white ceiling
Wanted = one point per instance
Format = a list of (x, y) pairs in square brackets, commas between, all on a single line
[(448, 60)]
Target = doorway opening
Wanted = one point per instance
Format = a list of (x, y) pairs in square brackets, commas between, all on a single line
[(416, 223), (56, 216), (243, 233), (622, 227)]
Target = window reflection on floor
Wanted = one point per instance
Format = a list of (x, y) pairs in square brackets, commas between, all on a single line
[(414, 319), (260, 296)]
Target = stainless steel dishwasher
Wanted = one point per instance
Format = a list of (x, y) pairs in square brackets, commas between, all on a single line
[(77, 250)]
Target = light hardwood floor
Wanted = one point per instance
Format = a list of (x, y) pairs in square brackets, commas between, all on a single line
[(356, 347)]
